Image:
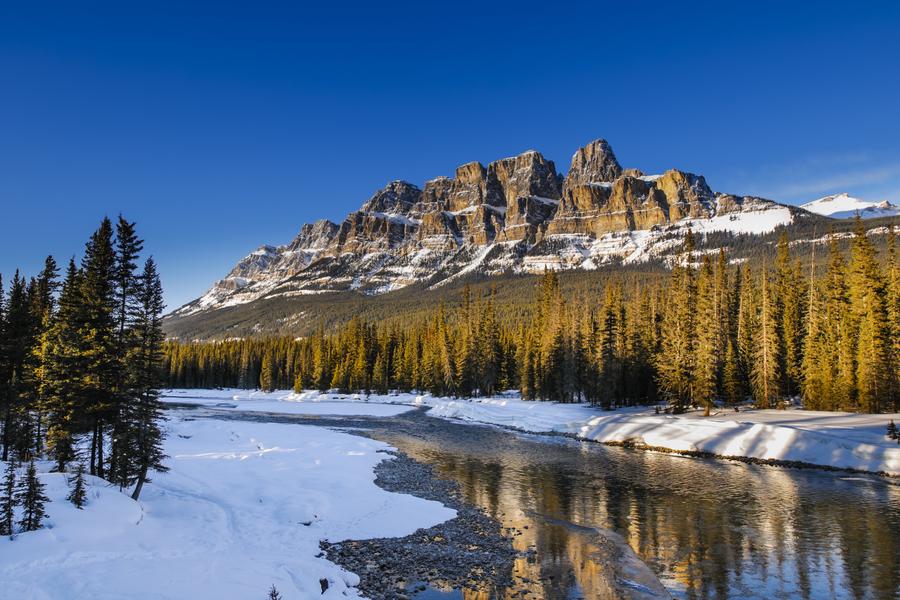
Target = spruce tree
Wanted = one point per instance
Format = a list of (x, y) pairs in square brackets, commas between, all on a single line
[(675, 361), (707, 352), (766, 368), (43, 306), (8, 500), (20, 334), (144, 433), (817, 369), (789, 310), (267, 373), (77, 494), (30, 496), (274, 594), (869, 304), (125, 281), (65, 362), (893, 313), (102, 371)]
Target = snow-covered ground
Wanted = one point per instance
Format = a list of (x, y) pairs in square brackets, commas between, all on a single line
[(243, 507), (286, 402), (845, 440)]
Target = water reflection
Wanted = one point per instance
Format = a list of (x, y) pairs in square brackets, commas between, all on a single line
[(709, 529)]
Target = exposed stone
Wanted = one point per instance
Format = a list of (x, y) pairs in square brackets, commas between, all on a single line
[(593, 163), (397, 197)]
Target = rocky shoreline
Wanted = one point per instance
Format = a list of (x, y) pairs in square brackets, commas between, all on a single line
[(466, 552)]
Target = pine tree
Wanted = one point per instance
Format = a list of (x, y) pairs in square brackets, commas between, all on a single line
[(747, 326), (267, 373), (102, 371), (30, 496), (893, 311), (868, 297), (675, 361), (127, 248), (65, 362), (766, 370), (707, 351), (732, 387), (144, 380), (20, 333), (789, 310), (817, 377), (273, 594), (43, 306), (8, 500), (77, 494), (892, 433)]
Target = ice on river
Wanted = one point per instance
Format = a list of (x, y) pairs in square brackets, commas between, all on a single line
[(243, 507)]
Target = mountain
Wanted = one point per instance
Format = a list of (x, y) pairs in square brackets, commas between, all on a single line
[(516, 215), (845, 206)]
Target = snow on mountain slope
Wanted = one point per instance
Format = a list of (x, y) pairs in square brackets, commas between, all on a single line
[(845, 206)]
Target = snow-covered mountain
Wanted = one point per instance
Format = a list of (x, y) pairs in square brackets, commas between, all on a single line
[(845, 206), (516, 215)]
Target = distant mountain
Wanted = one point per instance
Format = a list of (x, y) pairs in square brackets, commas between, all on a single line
[(845, 206), (516, 215)]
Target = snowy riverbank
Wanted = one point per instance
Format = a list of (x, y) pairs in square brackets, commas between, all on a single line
[(830, 439), (243, 507)]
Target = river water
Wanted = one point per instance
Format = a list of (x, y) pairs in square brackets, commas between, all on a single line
[(707, 528)]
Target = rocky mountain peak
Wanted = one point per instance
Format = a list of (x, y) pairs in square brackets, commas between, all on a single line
[(397, 197), (314, 235), (594, 162)]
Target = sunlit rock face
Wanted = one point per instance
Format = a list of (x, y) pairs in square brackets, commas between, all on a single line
[(515, 215)]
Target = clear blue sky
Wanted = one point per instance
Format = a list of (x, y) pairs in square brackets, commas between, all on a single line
[(220, 126)]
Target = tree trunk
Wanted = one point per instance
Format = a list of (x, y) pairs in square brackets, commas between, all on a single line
[(7, 422), (99, 448), (94, 450), (140, 483)]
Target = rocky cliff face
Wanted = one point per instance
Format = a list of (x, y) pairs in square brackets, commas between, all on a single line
[(517, 214)]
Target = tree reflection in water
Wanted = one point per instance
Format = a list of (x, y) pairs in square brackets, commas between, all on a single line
[(708, 529)]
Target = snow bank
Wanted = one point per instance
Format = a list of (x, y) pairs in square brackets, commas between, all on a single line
[(843, 440), (243, 507), (287, 402)]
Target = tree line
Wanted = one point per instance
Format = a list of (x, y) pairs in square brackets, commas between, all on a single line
[(81, 360), (713, 332)]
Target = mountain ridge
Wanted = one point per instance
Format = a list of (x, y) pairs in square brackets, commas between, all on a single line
[(514, 215)]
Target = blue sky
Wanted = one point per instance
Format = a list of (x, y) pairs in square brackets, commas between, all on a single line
[(220, 126)]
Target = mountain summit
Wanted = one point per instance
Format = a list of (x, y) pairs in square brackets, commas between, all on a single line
[(845, 206)]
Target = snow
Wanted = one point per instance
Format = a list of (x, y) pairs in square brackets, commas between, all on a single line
[(285, 402), (763, 220), (243, 507), (543, 200), (844, 440), (396, 218), (845, 206)]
